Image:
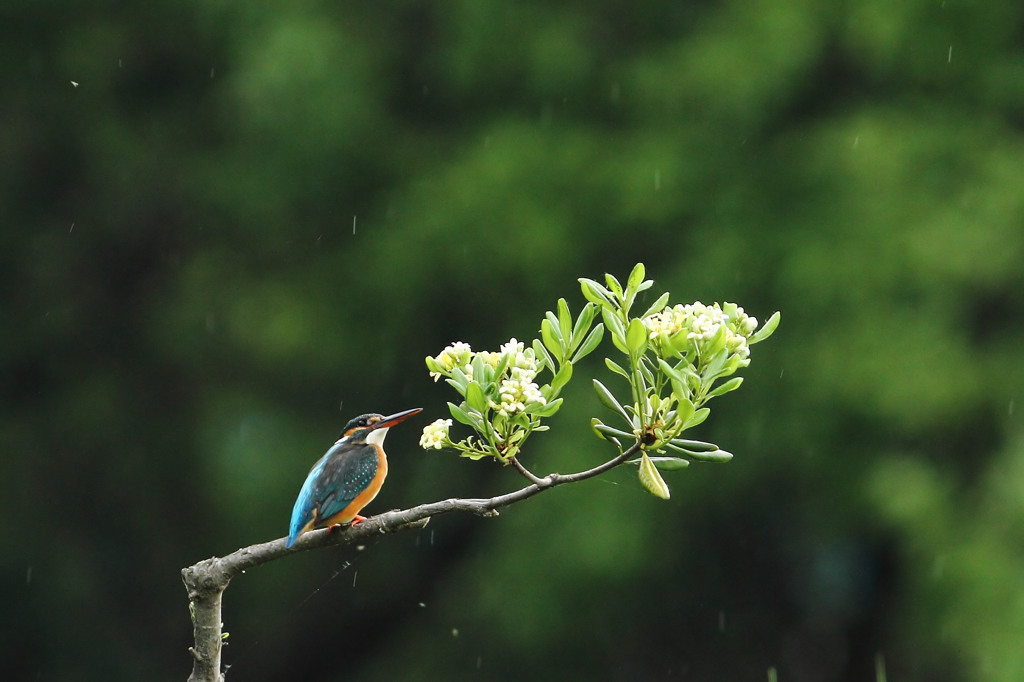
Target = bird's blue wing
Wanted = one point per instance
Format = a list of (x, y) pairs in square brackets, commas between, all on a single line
[(332, 484)]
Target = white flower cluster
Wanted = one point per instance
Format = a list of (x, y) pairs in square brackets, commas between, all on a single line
[(435, 434), (702, 323), (518, 388), (516, 385)]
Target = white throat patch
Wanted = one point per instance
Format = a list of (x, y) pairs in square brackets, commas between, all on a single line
[(376, 436)]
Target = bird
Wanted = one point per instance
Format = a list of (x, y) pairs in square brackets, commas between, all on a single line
[(347, 477)]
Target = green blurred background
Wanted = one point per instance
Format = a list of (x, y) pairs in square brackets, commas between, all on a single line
[(228, 227)]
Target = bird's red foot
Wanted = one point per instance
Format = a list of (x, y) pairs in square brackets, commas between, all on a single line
[(354, 522)]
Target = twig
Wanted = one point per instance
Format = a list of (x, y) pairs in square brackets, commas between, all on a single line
[(207, 580), (527, 473)]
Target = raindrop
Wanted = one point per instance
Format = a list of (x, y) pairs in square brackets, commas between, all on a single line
[(355, 574), (1009, 409), (879, 667), (28, 576), (353, 224)]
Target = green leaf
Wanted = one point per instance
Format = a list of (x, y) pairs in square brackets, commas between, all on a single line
[(645, 370), (657, 306), (475, 398), (636, 278), (541, 352), (480, 371), (698, 418), (556, 326), (589, 344), (636, 337), (617, 329), (561, 378), (546, 410), (717, 342), (596, 424), (671, 372), (547, 333), (606, 431), (595, 293), (460, 414), (716, 363), (730, 385), (766, 330), (694, 445), (614, 285), (609, 401), (681, 393), (616, 368), (459, 388), (583, 322), (476, 455), (564, 322), (459, 380), (713, 456), (665, 463), (651, 479), (684, 407)]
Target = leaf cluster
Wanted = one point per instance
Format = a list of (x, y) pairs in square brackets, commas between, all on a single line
[(673, 359), (501, 401), (671, 372)]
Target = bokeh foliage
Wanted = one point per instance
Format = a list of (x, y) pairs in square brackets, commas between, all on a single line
[(243, 214)]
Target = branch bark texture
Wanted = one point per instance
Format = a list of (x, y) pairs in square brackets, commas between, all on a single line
[(207, 580)]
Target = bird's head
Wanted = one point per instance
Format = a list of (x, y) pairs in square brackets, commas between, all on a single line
[(371, 428)]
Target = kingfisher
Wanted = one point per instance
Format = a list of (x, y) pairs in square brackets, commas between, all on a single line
[(347, 478)]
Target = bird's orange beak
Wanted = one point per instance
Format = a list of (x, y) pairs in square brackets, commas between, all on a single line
[(396, 418)]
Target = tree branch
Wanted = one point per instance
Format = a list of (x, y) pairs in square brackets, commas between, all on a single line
[(207, 580)]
